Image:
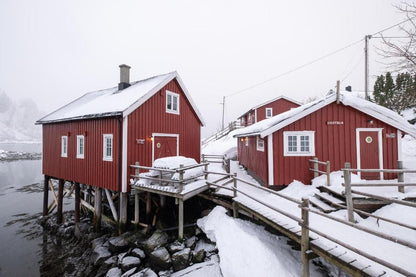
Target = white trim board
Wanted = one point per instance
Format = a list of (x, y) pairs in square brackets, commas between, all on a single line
[(124, 152)]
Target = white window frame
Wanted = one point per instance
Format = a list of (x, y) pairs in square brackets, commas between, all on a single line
[(246, 141), (172, 95), (249, 119), (259, 144), (298, 134), (105, 156), (271, 112), (79, 154), (64, 146)]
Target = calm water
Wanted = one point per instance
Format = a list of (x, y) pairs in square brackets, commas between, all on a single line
[(21, 237)]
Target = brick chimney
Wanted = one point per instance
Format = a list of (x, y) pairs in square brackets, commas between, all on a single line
[(124, 77)]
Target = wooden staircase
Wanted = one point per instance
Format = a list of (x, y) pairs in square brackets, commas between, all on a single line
[(327, 201)]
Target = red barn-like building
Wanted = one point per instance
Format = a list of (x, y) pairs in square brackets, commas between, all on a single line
[(277, 150), (268, 109), (94, 139)]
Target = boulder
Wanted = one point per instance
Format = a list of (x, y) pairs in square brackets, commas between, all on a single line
[(180, 260), (129, 262), (118, 244), (130, 272), (137, 252), (157, 239), (147, 272), (191, 242), (114, 272), (98, 242), (99, 255), (112, 261), (160, 258), (198, 256), (120, 257), (175, 247)]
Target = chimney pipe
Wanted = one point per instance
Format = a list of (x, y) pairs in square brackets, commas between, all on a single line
[(124, 77)]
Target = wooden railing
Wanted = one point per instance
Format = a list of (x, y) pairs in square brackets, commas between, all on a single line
[(316, 171), (303, 221), (222, 159), (231, 127)]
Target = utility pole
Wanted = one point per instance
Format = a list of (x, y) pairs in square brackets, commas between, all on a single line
[(366, 67), (337, 96), (223, 110)]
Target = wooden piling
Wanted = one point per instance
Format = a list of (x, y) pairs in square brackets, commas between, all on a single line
[(304, 244), (123, 212), (235, 204), (59, 216), (348, 194), (97, 208), (148, 206), (45, 195), (180, 229), (77, 203), (136, 209), (400, 176)]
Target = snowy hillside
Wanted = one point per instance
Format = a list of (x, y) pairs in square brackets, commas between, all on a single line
[(17, 120)]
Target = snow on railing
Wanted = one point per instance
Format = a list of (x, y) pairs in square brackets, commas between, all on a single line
[(222, 133), (316, 163)]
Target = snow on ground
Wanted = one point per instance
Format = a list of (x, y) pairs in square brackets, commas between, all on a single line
[(226, 145)]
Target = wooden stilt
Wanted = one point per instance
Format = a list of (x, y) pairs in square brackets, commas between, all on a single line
[(148, 206), (111, 203), (89, 194), (77, 202), (180, 230), (136, 208), (162, 201), (123, 212), (97, 209), (59, 217), (45, 195)]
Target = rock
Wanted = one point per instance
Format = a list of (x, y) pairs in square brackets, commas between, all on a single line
[(191, 242), (137, 252), (165, 273), (98, 242), (198, 232), (114, 272), (129, 262), (180, 260), (147, 272), (160, 258), (99, 255), (120, 257), (112, 261), (158, 239), (83, 227), (118, 244), (175, 247), (130, 272), (198, 256)]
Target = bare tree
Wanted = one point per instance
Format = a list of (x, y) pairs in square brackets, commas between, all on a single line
[(401, 52)]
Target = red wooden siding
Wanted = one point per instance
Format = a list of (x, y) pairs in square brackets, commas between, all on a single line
[(252, 159), (336, 143), (151, 117), (91, 170), (279, 106)]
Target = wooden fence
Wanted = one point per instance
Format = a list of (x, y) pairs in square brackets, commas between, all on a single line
[(222, 133), (316, 171), (221, 159)]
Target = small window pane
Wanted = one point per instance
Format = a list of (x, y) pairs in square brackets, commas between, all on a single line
[(292, 144), (175, 103), (169, 105)]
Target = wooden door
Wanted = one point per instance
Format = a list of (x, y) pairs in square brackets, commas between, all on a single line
[(165, 146), (369, 154)]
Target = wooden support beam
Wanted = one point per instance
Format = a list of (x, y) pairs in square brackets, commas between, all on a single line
[(304, 243), (111, 203), (97, 208), (180, 230), (136, 209), (148, 206), (77, 203), (123, 211), (59, 216), (45, 195)]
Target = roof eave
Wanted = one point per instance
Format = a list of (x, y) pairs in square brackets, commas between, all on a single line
[(89, 116)]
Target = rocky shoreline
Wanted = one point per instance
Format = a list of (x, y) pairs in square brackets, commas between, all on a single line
[(16, 155), (134, 253)]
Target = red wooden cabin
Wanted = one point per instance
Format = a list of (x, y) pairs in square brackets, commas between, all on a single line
[(268, 109), (277, 150), (94, 139)]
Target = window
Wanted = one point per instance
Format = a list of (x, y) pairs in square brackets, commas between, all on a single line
[(299, 143), (108, 147), (172, 102), (64, 146), (260, 144), (80, 147), (269, 112), (246, 141)]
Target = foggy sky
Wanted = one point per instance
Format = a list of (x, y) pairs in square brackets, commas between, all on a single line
[(55, 51)]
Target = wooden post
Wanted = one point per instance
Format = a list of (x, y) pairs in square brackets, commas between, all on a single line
[(89, 194), (315, 167), (136, 208), (400, 176), (235, 204), (328, 173), (180, 229), (181, 171), (77, 203), (227, 164), (206, 171), (111, 203), (304, 244), (203, 158), (123, 211), (97, 208), (59, 216), (45, 195), (148, 206), (348, 195)]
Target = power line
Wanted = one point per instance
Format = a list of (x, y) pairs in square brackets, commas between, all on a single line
[(395, 25)]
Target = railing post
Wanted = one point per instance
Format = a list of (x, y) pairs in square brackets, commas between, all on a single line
[(400, 176), (203, 158), (180, 178), (348, 195), (227, 164), (235, 204), (328, 173), (315, 167), (206, 171), (304, 244)]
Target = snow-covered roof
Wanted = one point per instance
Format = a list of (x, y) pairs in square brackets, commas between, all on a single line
[(112, 102), (270, 101), (271, 125)]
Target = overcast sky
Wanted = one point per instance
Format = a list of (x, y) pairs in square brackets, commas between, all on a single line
[(55, 51)]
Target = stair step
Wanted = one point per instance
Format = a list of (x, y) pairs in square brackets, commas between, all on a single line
[(321, 205), (326, 197), (331, 192)]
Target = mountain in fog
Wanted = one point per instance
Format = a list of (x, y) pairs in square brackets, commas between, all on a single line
[(17, 120)]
